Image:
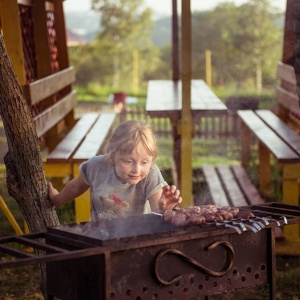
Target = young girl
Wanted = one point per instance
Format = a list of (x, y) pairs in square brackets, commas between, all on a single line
[(126, 174)]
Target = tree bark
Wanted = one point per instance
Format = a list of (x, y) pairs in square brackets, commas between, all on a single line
[(25, 177)]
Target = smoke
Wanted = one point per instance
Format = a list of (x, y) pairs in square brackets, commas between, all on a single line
[(119, 228)]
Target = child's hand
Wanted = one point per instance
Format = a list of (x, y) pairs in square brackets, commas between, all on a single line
[(52, 191), (169, 198)]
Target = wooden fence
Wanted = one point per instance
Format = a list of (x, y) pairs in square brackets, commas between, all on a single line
[(214, 126)]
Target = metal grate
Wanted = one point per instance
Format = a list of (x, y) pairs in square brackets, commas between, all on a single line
[(144, 257)]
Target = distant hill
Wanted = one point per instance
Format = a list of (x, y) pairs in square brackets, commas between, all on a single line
[(162, 31), (86, 24)]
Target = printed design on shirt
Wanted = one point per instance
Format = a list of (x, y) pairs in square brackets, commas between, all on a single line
[(113, 207)]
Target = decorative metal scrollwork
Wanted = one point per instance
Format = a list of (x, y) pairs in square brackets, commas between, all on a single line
[(226, 268)]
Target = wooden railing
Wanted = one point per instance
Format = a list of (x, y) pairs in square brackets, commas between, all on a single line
[(214, 126)]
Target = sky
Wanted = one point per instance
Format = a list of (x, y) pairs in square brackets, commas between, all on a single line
[(164, 7)]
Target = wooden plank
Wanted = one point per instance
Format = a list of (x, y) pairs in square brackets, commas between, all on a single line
[(232, 189), (286, 72), (83, 202), (64, 150), (215, 186), (245, 138), (203, 99), (286, 133), (51, 116), (264, 169), (49, 85), (164, 98), (246, 185), (51, 169), (281, 151), (287, 99), (96, 137), (41, 44), (61, 34)]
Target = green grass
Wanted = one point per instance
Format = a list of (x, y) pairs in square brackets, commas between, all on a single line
[(95, 93)]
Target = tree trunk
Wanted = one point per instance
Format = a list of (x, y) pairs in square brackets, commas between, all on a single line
[(25, 177)]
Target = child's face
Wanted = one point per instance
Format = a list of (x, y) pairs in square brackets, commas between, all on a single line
[(133, 167)]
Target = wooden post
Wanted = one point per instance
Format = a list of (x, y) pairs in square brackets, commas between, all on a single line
[(10, 22), (297, 46), (245, 145), (186, 116), (83, 202), (175, 42), (288, 38), (41, 41), (290, 195), (176, 77), (208, 67), (135, 71), (44, 60), (264, 157), (62, 49), (61, 35)]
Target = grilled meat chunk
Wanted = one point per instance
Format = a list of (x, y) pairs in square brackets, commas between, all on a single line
[(195, 215)]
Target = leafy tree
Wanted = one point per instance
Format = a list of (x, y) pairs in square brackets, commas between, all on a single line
[(257, 40), (212, 30), (164, 70), (245, 42), (125, 27)]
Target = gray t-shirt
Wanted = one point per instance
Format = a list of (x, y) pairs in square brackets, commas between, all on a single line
[(99, 173)]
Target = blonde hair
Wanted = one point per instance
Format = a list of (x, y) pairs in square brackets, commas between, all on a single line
[(128, 135)]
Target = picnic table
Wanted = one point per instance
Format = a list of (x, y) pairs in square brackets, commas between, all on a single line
[(164, 100)]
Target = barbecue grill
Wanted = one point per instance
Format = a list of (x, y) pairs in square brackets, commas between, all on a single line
[(145, 257)]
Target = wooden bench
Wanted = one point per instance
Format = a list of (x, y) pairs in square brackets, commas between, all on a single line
[(230, 186), (275, 139), (65, 140), (277, 135)]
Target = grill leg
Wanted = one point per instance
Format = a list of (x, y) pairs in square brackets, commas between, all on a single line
[(272, 264)]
